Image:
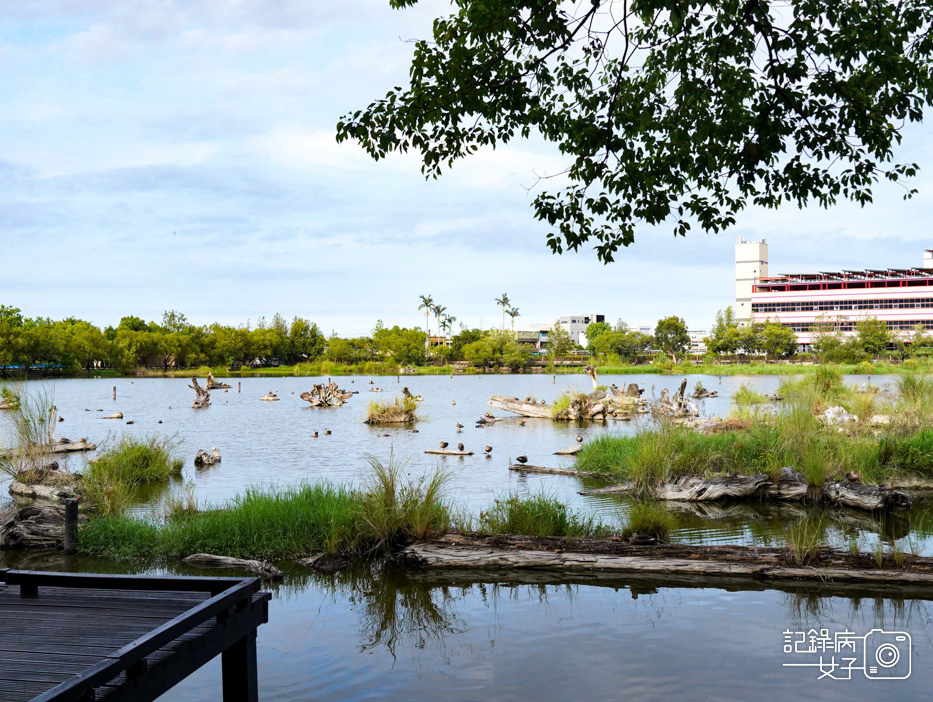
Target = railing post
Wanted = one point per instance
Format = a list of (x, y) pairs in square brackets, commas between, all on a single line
[(240, 682), (70, 540)]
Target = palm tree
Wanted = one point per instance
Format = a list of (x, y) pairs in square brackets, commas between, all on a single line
[(438, 313), (445, 325), (427, 304), (504, 303), (450, 319), (513, 313)]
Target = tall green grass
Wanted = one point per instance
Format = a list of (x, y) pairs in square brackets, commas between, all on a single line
[(649, 518), (392, 411), (793, 437), (115, 479), (285, 523), (539, 515), (746, 395)]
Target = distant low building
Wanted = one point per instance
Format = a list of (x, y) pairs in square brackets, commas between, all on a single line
[(698, 341), (575, 325)]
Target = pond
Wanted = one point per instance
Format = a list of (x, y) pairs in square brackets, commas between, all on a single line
[(375, 631)]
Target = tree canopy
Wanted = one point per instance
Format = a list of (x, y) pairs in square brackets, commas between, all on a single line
[(681, 113)]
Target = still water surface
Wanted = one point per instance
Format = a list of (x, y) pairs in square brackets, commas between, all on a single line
[(375, 633)]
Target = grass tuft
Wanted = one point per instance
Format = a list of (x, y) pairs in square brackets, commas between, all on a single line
[(540, 515)]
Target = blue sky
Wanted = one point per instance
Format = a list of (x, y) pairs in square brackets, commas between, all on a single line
[(181, 155)]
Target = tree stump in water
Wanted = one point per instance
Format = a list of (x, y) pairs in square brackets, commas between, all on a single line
[(202, 397), (326, 395), (211, 384)]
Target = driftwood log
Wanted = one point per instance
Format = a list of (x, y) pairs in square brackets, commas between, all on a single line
[(45, 493), (115, 415), (325, 562), (33, 527), (443, 452), (202, 458), (326, 395), (570, 450), (212, 384), (72, 446), (472, 553), (68, 447), (790, 486), (209, 560), (202, 398), (701, 393), (528, 468)]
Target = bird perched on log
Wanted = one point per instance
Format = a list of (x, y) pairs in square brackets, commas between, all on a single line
[(488, 449), (579, 439), (444, 444), (522, 459), (852, 476), (459, 447)]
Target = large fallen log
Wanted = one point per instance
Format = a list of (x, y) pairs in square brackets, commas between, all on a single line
[(523, 409), (528, 468), (467, 552), (790, 486), (443, 452), (570, 450), (209, 560)]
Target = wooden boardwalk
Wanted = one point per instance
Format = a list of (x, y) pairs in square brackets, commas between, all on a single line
[(69, 636)]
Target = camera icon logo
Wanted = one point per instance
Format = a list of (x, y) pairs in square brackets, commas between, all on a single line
[(887, 655)]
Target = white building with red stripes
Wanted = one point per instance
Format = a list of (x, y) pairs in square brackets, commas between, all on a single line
[(901, 297)]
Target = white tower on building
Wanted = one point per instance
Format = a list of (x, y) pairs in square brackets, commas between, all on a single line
[(751, 264)]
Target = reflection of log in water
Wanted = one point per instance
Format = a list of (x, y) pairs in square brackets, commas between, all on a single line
[(790, 486), (640, 584), (890, 525), (472, 552)]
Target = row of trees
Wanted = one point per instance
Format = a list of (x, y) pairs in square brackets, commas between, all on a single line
[(670, 337), (772, 339), (75, 344)]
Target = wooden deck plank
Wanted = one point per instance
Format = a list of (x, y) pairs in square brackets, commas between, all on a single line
[(68, 637)]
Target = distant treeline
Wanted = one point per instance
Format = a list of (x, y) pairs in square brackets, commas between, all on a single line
[(74, 345)]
